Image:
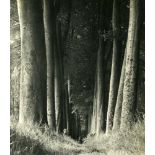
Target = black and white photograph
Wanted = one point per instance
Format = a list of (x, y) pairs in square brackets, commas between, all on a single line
[(77, 77)]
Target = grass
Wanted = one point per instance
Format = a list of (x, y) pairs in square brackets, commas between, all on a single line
[(131, 142), (36, 140)]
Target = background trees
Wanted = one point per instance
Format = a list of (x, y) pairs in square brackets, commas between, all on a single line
[(115, 70), (79, 64), (49, 28)]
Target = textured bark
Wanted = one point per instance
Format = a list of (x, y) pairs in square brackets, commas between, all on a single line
[(114, 78), (49, 21), (131, 67), (118, 108), (33, 63)]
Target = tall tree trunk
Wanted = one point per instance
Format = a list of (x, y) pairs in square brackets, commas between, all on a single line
[(99, 89), (58, 94), (66, 108), (79, 128), (77, 125), (61, 42), (118, 108), (68, 96), (93, 117), (114, 79), (33, 62), (87, 123), (69, 88), (67, 113), (99, 107), (131, 67), (89, 119), (49, 21), (59, 81)]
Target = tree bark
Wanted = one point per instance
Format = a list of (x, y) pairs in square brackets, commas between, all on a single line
[(118, 108), (131, 67), (49, 21), (57, 87), (33, 63), (99, 90), (93, 118), (59, 82), (114, 79)]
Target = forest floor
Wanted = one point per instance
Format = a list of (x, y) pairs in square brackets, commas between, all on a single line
[(35, 140)]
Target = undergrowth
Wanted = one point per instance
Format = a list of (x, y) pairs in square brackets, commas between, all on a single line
[(130, 142), (38, 140)]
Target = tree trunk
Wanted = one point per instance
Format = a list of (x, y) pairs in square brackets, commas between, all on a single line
[(99, 107), (49, 21), (59, 82), (68, 96), (69, 88), (118, 108), (114, 79), (67, 112), (33, 63), (63, 38), (131, 67), (99, 89), (89, 119), (93, 118)]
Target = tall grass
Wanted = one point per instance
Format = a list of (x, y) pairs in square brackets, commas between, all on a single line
[(38, 140), (130, 142)]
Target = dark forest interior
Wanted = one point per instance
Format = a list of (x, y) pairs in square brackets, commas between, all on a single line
[(77, 68)]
